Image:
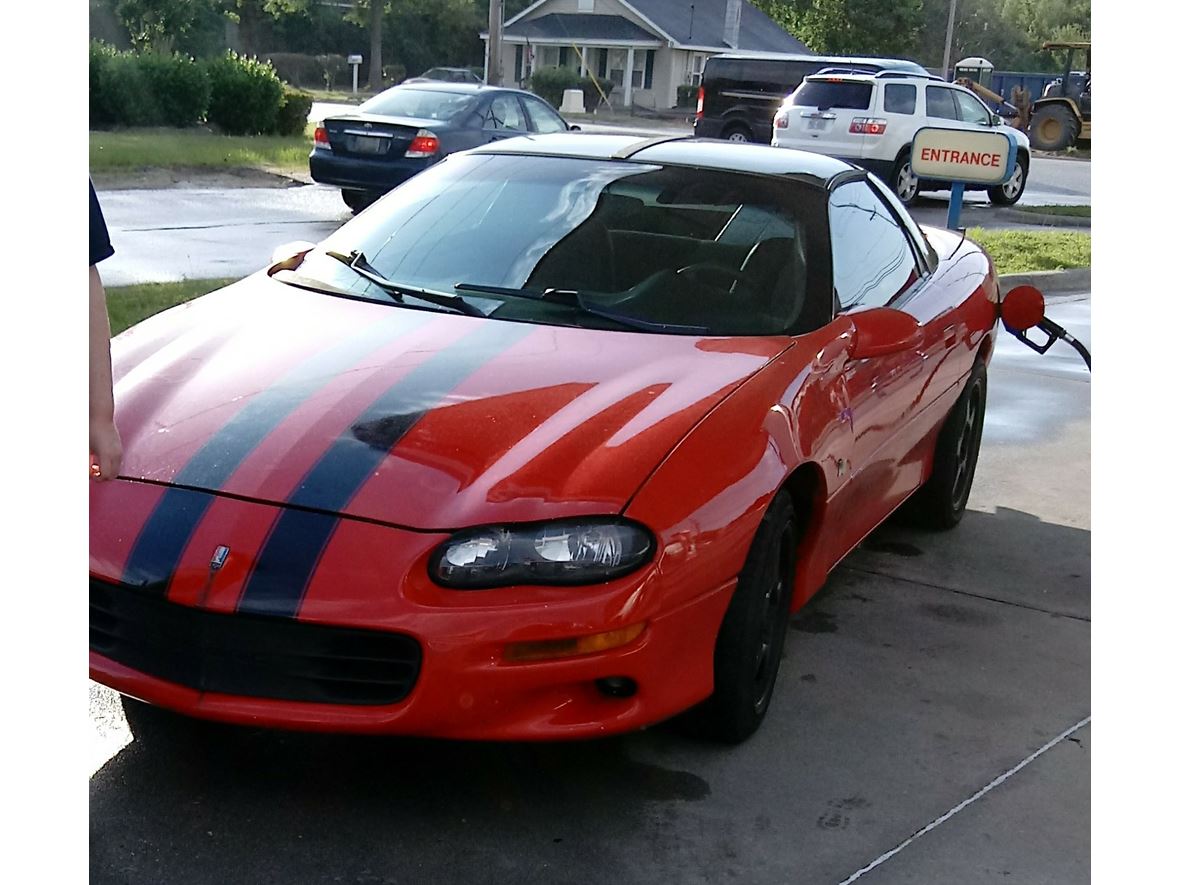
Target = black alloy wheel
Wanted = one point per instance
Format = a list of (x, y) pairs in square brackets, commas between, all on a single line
[(942, 500), (750, 643)]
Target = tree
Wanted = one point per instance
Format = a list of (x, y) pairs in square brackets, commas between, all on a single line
[(156, 24), (376, 13), (850, 27)]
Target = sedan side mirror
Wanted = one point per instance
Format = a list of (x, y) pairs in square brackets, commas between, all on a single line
[(881, 331), (997, 120), (574, 127)]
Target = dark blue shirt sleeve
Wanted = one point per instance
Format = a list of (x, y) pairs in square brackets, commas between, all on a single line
[(100, 240)]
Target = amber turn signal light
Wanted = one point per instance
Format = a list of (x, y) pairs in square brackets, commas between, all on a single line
[(549, 649)]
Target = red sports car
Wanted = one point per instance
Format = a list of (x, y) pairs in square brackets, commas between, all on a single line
[(548, 443)]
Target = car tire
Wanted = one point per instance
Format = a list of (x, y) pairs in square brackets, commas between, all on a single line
[(749, 645), (940, 503), (357, 200), (147, 722), (1008, 193), (903, 181), (738, 132), (1053, 128)]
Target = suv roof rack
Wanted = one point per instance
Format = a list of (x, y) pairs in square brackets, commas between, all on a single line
[(824, 71), (897, 72)]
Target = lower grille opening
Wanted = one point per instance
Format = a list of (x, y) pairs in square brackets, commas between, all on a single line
[(250, 655)]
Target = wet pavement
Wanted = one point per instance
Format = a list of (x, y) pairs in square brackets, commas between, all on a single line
[(930, 726)]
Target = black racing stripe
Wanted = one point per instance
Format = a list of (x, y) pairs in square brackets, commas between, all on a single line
[(284, 568), (167, 531)]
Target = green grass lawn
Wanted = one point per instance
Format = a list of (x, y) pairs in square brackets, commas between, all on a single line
[(147, 148), (1019, 251), (1070, 211), (127, 305)]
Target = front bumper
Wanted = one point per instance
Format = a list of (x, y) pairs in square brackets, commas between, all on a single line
[(372, 578)]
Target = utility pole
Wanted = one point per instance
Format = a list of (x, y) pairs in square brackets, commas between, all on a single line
[(495, 39), (950, 30)]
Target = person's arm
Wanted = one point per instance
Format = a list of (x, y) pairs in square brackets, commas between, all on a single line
[(106, 449)]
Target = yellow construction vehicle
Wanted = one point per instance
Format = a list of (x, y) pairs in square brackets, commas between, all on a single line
[(1061, 116)]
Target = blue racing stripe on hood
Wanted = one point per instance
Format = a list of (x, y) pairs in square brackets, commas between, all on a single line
[(288, 559)]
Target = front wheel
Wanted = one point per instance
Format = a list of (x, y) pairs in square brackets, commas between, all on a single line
[(905, 182), (750, 643), (1011, 190)]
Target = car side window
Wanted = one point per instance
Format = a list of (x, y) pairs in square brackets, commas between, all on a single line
[(872, 262), (541, 117), (940, 102), (970, 110), (504, 113), (900, 98)]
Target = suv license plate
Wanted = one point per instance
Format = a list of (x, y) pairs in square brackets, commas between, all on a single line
[(817, 123)]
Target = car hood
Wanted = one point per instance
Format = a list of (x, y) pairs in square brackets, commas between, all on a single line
[(422, 419)]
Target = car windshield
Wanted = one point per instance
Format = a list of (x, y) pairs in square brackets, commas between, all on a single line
[(424, 104), (596, 243)]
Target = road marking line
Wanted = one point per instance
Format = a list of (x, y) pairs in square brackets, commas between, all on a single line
[(979, 794)]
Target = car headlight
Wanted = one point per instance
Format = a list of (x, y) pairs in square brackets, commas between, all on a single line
[(585, 550)]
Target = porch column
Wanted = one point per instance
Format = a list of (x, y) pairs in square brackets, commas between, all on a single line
[(581, 61), (627, 76)]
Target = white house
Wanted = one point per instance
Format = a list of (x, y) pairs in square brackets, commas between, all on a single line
[(646, 48)]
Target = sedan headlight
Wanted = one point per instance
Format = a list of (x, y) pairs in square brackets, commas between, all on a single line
[(568, 551)]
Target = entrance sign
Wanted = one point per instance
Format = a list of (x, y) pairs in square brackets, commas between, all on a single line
[(984, 156)]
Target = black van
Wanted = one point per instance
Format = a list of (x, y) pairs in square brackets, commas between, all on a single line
[(740, 92)]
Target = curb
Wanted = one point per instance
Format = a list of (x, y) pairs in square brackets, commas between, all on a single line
[(1050, 282), (1028, 216)]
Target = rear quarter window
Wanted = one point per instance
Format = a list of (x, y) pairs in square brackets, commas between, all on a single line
[(900, 98), (833, 94)]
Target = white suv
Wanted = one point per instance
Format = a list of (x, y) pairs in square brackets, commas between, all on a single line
[(870, 120)]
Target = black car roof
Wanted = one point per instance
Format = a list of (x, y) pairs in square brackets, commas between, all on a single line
[(699, 152), (449, 86)]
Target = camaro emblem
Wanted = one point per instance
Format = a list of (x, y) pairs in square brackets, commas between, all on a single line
[(219, 557)]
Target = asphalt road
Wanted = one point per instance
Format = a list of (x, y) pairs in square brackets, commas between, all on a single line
[(930, 726)]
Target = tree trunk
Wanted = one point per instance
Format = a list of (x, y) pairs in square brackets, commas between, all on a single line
[(376, 13)]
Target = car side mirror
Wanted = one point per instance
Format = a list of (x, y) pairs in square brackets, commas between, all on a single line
[(997, 120), (881, 331), (574, 127)]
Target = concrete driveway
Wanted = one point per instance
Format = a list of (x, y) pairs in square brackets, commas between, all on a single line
[(930, 726)]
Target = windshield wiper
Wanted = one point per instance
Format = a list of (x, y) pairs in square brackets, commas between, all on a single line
[(573, 298), (357, 261)]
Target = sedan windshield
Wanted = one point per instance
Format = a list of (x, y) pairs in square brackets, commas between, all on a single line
[(596, 243), (423, 104)]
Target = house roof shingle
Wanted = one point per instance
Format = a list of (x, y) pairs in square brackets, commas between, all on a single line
[(702, 23), (583, 26)]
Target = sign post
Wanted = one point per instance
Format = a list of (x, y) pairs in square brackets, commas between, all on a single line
[(960, 156), (355, 61)]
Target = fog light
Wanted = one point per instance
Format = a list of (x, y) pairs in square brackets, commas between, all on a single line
[(547, 649), (617, 686)]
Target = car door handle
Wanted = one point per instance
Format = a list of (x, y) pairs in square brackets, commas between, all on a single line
[(949, 336)]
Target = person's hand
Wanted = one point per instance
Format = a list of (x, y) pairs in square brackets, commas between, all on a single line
[(106, 450)]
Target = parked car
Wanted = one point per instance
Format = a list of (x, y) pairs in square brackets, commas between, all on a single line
[(870, 120), (546, 444), (740, 92), (447, 75), (408, 128)]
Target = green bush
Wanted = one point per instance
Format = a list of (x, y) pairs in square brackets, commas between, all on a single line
[(550, 83), (590, 91), (293, 111), (125, 96), (101, 112), (179, 86), (245, 94)]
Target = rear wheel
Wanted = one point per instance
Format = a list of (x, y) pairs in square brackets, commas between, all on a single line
[(905, 182), (940, 503), (1011, 190), (357, 200), (750, 644), (1053, 128), (737, 132)]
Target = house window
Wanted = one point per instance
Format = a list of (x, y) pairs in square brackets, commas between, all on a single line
[(696, 66)]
